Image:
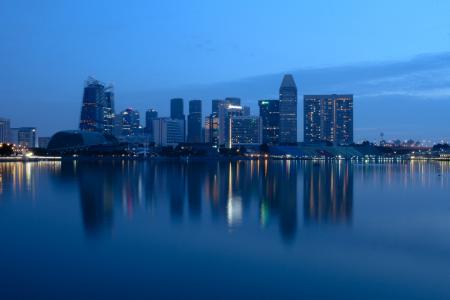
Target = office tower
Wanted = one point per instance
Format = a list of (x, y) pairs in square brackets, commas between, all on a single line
[(288, 110), (129, 122), (226, 112), (97, 110), (168, 132), (150, 115), (177, 109), (43, 142), (245, 130), (177, 113), (26, 137), (5, 130), (108, 111), (246, 110), (233, 100), (215, 105), (328, 118), (195, 121), (212, 129), (269, 111)]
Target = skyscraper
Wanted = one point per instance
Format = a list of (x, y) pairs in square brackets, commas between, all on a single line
[(288, 110), (212, 129), (150, 115), (97, 110), (177, 113), (195, 121), (233, 100), (129, 122), (108, 111), (215, 105), (328, 118), (177, 109), (269, 111), (5, 130)]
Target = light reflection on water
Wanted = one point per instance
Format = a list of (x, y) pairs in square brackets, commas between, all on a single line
[(392, 210)]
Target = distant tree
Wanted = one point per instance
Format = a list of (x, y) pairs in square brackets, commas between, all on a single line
[(441, 147), (6, 150)]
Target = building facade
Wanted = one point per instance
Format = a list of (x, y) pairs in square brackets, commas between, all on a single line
[(195, 122), (212, 129), (168, 132), (288, 110), (269, 112), (27, 137), (328, 118), (5, 130), (246, 131)]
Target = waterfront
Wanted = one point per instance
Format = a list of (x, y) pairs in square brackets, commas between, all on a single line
[(246, 229)]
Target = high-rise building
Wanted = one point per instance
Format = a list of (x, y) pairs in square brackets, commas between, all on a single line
[(233, 100), (212, 129), (246, 130), (150, 115), (177, 112), (27, 137), (177, 109), (328, 118), (129, 122), (168, 132), (288, 110), (108, 111), (5, 130), (246, 110), (195, 122), (269, 111), (215, 105), (97, 110), (226, 112)]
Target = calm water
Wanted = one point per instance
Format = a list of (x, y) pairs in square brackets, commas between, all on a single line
[(251, 230)]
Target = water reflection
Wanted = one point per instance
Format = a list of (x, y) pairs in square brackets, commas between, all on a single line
[(328, 193), (258, 194)]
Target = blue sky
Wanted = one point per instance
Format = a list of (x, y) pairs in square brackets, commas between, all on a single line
[(386, 52)]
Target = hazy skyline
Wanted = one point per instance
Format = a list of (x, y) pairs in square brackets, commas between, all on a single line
[(156, 50)]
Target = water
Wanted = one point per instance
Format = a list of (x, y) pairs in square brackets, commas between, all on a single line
[(241, 230)]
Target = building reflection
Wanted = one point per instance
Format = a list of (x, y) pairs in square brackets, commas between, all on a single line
[(328, 193)]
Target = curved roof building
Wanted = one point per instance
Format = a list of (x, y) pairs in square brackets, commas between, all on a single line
[(79, 140)]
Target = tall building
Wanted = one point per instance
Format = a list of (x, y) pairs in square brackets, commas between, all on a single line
[(245, 131), (288, 110), (246, 110), (150, 115), (328, 118), (27, 137), (168, 132), (215, 104), (212, 129), (177, 112), (129, 122), (5, 130), (195, 122), (108, 111), (177, 109), (97, 110), (233, 100), (269, 111), (226, 112)]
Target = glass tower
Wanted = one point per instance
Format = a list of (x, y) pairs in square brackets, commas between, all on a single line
[(288, 110)]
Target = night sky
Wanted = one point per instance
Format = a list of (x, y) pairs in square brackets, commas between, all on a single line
[(393, 55)]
